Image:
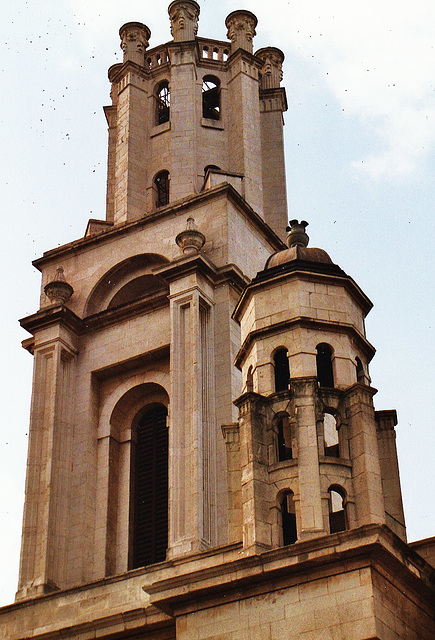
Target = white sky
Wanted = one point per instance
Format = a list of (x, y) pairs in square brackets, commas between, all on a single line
[(360, 142)]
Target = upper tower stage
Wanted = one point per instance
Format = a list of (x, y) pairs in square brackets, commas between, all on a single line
[(192, 113)]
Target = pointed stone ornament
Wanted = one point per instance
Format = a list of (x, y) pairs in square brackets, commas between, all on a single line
[(241, 29), (58, 290), (191, 240), (271, 73), (134, 41), (184, 15)]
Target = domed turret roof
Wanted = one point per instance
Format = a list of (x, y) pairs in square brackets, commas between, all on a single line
[(297, 241)]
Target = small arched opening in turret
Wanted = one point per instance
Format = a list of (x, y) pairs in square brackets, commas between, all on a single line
[(282, 369), (330, 435), (325, 374), (249, 380), (288, 518), (161, 185), (337, 509), (163, 102), (283, 438), (211, 98), (359, 371)]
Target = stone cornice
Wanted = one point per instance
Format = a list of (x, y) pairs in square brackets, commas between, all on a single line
[(49, 316), (367, 546), (57, 314), (199, 263), (306, 322), (273, 100), (174, 209)]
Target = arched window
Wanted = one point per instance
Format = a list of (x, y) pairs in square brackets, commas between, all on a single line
[(330, 436), (163, 102), (325, 375), (161, 183), (150, 488), (282, 370), (211, 98), (284, 441), (211, 167), (359, 370), (249, 380), (288, 515), (337, 510)]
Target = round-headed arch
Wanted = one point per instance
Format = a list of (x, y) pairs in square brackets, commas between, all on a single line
[(126, 281)]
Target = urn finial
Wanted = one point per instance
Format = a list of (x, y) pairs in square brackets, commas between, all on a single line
[(296, 234), (58, 290), (191, 240)]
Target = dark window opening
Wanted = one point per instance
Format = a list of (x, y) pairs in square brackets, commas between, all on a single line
[(359, 370), (288, 514), (284, 440), (211, 98), (150, 538), (330, 435), (325, 375), (163, 102), (282, 370), (337, 511), (250, 380), (161, 183)]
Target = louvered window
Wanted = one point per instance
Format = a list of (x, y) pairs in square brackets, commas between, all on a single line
[(150, 539)]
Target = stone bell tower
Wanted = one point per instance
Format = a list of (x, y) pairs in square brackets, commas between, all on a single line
[(134, 343), (194, 107), (205, 461)]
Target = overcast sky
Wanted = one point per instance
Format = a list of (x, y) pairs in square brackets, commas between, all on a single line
[(360, 142)]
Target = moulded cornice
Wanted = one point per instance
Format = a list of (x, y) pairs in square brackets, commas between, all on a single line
[(54, 314), (273, 100), (367, 546), (309, 323), (117, 72), (174, 209)]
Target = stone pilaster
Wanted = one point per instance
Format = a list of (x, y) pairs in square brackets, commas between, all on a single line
[(192, 444), (254, 447), (45, 524), (364, 453), (128, 178), (234, 479), (304, 396), (244, 132), (273, 103), (386, 434)]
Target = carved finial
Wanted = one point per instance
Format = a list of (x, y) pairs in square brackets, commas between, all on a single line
[(271, 73), (296, 235), (191, 240), (241, 29), (58, 290), (134, 41), (184, 15)]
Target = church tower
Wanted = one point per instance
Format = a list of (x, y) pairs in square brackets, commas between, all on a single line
[(205, 459)]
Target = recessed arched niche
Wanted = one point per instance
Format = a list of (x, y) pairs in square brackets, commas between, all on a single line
[(130, 280)]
